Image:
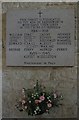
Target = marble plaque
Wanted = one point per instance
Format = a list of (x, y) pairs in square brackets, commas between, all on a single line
[(42, 37)]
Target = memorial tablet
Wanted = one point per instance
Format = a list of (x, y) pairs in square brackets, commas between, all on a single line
[(42, 37)]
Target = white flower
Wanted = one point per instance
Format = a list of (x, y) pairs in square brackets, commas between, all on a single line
[(50, 101), (61, 97), (25, 107), (35, 112), (29, 101), (55, 96), (23, 101), (35, 85), (23, 90), (37, 108)]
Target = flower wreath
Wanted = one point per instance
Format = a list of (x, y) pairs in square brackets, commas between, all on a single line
[(37, 101)]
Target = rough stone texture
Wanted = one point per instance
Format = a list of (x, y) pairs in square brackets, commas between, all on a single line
[(0, 62), (63, 79)]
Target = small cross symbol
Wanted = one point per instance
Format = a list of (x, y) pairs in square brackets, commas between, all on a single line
[(40, 13)]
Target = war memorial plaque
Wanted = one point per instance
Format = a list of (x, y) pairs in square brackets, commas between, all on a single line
[(42, 37)]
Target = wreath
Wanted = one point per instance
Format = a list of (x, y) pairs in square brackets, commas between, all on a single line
[(37, 101)]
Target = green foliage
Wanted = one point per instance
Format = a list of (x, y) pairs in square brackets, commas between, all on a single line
[(37, 100)]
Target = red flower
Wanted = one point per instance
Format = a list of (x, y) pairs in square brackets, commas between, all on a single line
[(47, 110), (40, 101), (36, 101), (49, 105), (42, 98)]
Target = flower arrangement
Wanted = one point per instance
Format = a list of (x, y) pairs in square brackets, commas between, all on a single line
[(37, 101)]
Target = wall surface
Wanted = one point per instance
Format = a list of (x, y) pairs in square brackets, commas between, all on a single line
[(63, 79)]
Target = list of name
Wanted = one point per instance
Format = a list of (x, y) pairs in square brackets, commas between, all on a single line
[(40, 37)]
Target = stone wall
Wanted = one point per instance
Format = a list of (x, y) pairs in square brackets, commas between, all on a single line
[(63, 79)]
